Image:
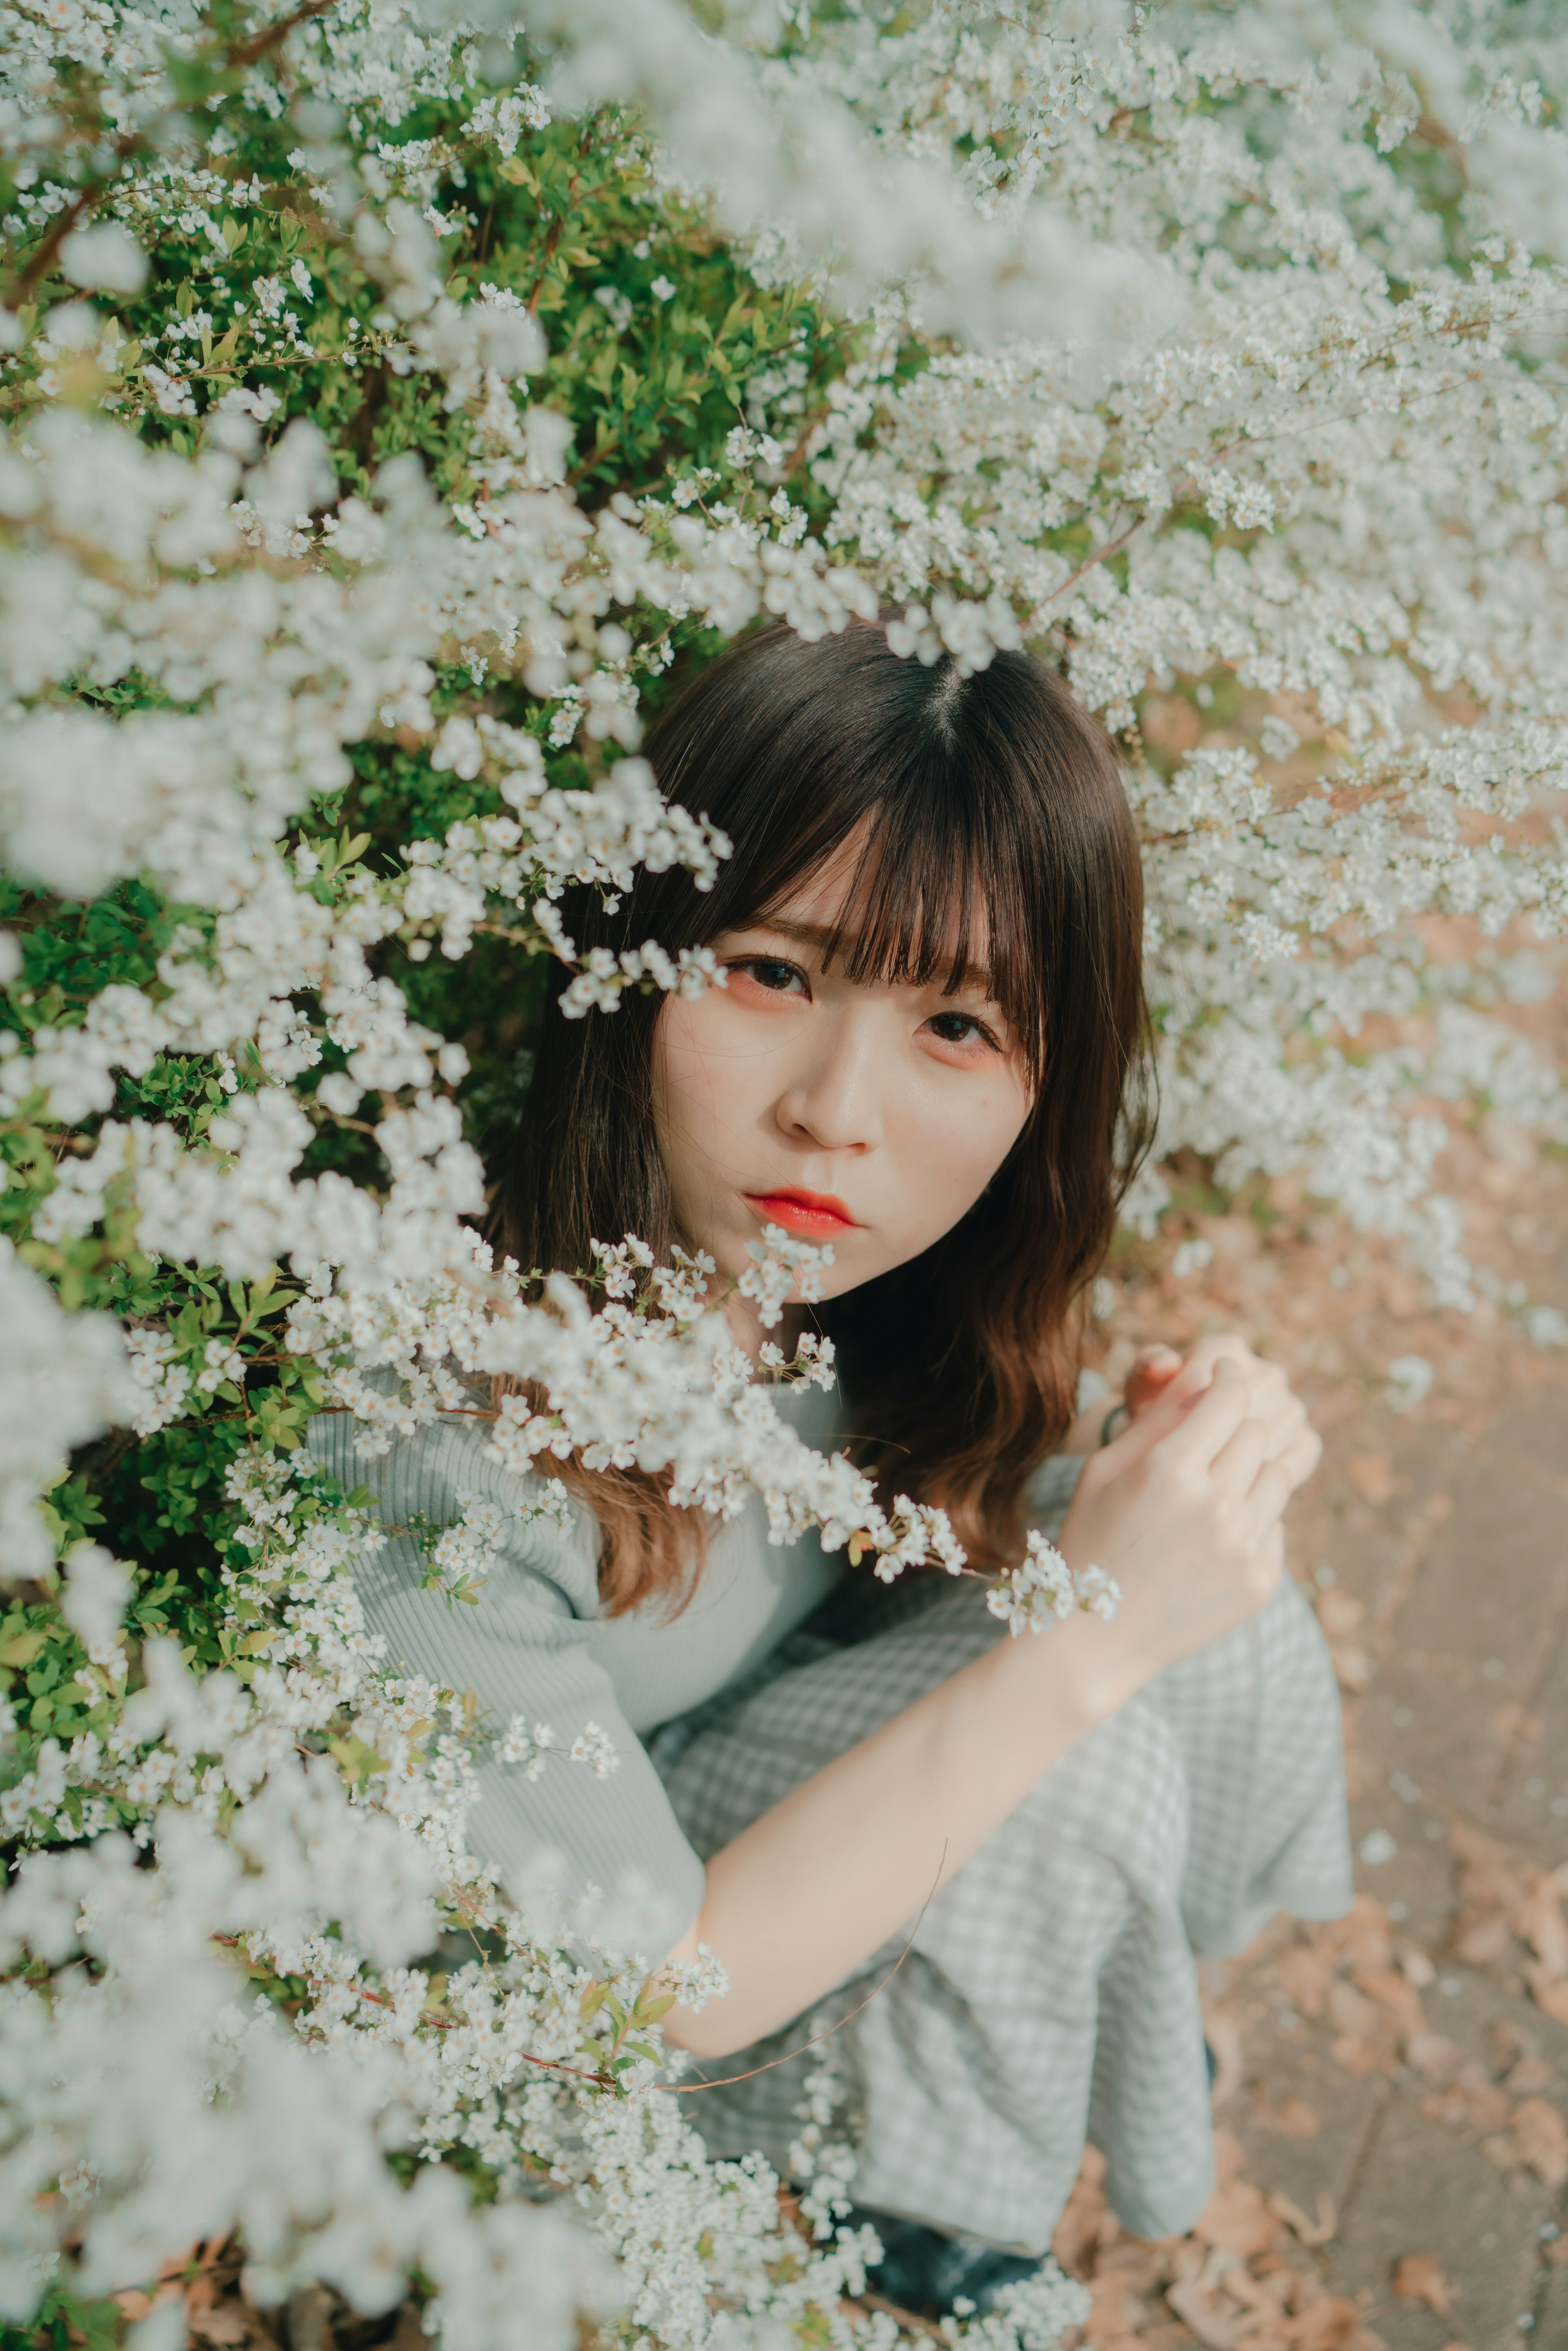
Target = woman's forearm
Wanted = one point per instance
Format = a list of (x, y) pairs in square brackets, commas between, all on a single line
[(804, 1895), (1182, 1511)]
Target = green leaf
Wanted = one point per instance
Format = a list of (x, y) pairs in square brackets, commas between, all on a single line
[(355, 1760)]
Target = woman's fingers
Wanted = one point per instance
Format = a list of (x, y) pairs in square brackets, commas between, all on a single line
[(1139, 1435), (1269, 1489), (1301, 1455), (1208, 1425), (1154, 1369), (1286, 1420), (1197, 1366), (1270, 1386), (1239, 1459)]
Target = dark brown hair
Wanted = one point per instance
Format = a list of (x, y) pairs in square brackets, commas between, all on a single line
[(992, 793)]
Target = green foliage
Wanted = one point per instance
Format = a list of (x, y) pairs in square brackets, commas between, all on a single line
[(66, 2322), (655, 330)]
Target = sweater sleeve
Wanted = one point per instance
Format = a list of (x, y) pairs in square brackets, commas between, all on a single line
[(523, 1650)]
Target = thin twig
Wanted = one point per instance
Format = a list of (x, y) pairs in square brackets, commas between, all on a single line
[(251, 52), (1101, 555), (45, 255), (907, 2318)]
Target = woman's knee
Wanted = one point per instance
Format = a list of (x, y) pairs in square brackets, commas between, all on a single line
[(1120, 1794)]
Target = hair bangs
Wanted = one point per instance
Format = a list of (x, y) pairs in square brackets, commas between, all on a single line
[(912, 769), (936, 895)]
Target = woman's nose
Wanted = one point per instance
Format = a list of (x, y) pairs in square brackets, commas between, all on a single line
[(832, 1099)]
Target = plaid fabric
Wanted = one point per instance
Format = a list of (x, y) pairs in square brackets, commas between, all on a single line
[(1050, 1994)]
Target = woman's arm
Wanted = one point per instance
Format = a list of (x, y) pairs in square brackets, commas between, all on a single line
[(1183, 1510)]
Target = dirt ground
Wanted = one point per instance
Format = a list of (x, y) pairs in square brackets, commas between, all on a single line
[(1392, 2089)]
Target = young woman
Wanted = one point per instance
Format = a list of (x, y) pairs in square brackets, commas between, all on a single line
[(929, 1052)]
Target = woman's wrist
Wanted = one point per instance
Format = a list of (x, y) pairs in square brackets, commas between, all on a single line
[(1077, 1670)]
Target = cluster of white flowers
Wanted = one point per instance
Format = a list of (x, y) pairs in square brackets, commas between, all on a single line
[(1042, 1589), (171, 2100), (593, 1747), (63, 1379), (1332, 482), (353, 1790), (1161, 355)]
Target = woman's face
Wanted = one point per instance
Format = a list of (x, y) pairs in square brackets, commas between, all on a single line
[(868, 1116)]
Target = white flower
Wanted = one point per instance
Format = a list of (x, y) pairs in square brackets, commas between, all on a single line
[(1191, 1256), (616, 304), (106, 256), (97, 1589), (1279, 738), (63, 1379), (1547, 1325), (781, 1265), (1411, 1378), (1042, 1589), (592, 1748)]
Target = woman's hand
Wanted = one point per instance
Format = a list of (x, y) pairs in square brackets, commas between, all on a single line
[(1184, 1507), (1160, 1374)]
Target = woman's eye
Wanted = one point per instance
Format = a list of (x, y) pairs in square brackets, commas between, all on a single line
[(768, 972), (959, 1028)]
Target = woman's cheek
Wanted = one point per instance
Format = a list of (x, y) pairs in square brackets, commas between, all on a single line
[(965, 1133), (688, 1047), (939, 1181)]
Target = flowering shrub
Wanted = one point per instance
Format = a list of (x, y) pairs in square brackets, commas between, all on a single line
[(394, 406)]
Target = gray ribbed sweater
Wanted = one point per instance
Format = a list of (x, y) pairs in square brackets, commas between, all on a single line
[(536, 1645)]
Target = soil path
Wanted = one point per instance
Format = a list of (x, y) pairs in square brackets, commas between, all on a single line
[(1392, 2089)]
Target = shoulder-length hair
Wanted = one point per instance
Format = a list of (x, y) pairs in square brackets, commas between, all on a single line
[(991, 805)]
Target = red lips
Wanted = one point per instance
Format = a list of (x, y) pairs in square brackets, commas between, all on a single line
[(817, 1214)]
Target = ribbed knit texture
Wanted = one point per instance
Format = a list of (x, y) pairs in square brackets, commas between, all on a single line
[(536, 1645)]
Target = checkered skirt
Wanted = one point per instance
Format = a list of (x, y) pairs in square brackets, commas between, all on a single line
[(1048, 1995)]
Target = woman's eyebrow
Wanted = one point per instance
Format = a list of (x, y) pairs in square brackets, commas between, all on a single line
[(822, 935)]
